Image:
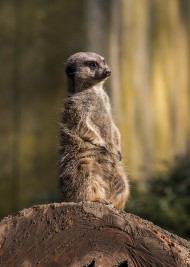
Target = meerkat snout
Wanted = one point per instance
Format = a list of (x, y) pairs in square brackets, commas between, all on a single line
[(107, 72)]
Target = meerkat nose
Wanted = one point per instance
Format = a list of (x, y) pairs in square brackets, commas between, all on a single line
[(107, 72)]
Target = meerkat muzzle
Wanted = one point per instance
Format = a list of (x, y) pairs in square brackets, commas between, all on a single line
[(106, 73)]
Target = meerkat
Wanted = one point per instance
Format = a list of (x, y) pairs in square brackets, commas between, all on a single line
[(90, 165)]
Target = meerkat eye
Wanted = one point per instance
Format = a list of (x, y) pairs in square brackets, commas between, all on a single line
[(91, 64)]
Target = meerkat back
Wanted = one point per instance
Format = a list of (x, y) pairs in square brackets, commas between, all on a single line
[(90, 165)]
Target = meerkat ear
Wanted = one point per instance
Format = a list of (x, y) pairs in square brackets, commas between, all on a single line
[(70, 71)]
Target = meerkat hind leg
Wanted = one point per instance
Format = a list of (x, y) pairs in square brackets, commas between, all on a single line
[(100, 191), (120, 189), (119, 201)]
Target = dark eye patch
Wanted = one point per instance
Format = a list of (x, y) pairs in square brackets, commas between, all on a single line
[(70, 71), (91, 64)]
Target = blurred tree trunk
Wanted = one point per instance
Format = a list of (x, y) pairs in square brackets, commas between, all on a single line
[(136, 123), (44, 49), (170, 80), (35, 42), (150, 85), (7, 126)]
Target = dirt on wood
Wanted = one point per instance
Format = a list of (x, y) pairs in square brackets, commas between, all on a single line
[(87, 234)]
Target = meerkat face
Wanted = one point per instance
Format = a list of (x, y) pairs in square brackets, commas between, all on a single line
[(87, 69)]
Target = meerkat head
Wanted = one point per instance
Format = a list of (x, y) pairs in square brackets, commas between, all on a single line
[(85, 69)]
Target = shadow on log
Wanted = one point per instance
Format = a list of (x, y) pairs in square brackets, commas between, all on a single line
[(87, 234)]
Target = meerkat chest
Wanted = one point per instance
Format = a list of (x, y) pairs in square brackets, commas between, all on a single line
[(100, 114), (103, 98)]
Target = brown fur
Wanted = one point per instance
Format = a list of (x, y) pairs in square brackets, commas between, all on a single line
[(90, 153)]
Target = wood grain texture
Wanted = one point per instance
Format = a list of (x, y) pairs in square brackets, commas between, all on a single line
[(87, 234)]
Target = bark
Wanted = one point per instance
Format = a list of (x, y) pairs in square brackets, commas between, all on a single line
[(86, 234)]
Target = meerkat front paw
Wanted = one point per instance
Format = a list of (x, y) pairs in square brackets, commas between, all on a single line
[(98, 142)]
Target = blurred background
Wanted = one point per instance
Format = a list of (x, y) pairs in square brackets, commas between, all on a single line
[(147, 45)]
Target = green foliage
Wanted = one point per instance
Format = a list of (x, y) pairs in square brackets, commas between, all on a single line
[(166, 199)]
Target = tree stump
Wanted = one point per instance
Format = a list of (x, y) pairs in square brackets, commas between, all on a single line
[(86, 234)]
